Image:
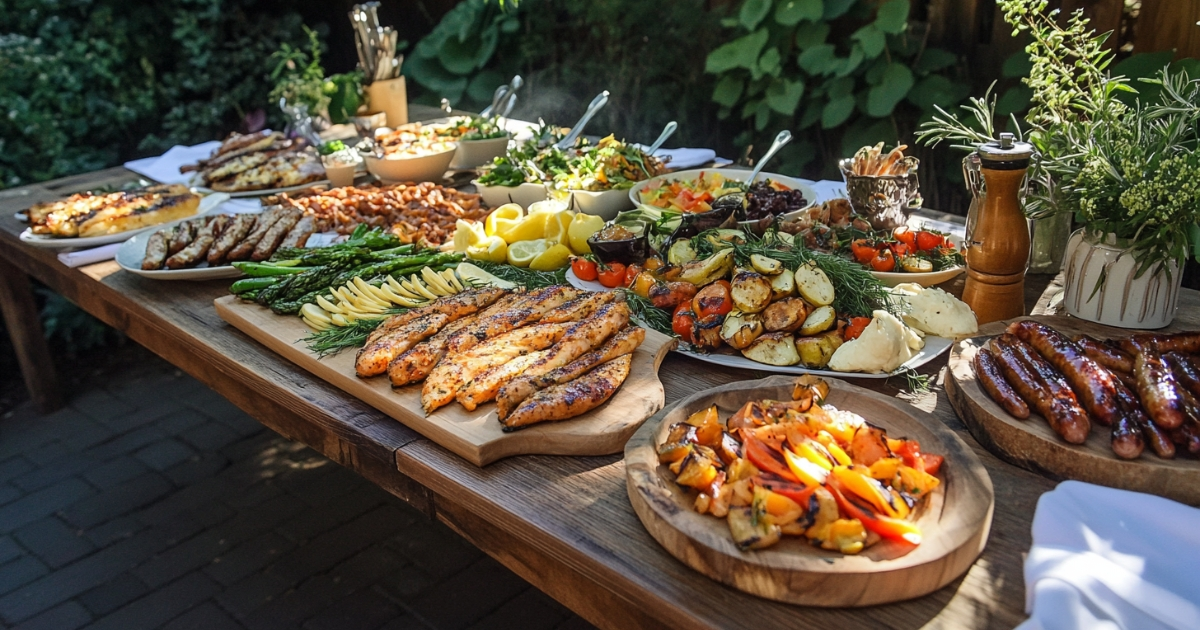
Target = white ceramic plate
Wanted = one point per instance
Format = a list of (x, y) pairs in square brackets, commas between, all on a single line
[(934, 346), (207, 204), (736, 174), (260, 193), (892, 278), (131, 253)]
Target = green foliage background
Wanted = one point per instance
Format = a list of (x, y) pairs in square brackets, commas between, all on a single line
[(86, 84)]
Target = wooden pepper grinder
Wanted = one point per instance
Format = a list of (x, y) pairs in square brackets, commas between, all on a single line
[(998, 234)]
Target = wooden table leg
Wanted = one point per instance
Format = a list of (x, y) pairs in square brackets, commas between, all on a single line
[(25, 331)]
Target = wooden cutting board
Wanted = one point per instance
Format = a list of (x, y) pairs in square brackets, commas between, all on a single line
[(955, 520), (1033, 445), (475, 436)]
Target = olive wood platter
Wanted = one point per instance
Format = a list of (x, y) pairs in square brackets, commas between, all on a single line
[(1033, 445), (955, 519), (475, 436)]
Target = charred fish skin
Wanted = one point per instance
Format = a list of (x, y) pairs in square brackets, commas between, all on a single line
[(573, 398)]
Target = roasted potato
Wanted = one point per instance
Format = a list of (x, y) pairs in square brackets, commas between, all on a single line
[(741, 329), (774, 348), (786, 315), (912, 264), (751, 291), (708, 270), (814, 352), (706, 332), (765, 265), (814, 285), (681, 252), (783, 284), (821, 319)]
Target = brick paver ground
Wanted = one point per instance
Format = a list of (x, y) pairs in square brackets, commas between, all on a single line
[(152, 502)]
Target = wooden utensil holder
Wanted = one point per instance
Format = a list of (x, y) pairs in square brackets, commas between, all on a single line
[(389, 96)]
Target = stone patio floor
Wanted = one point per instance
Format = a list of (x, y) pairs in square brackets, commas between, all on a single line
[(152, 502)]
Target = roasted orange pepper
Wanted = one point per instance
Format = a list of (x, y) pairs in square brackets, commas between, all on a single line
[(890, 528), (856, 480)]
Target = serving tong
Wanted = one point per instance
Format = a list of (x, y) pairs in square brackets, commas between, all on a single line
[(596, 105), (499, 98)]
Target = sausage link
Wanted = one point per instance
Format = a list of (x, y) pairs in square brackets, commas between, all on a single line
[(1186, 342), (1159, 441), (185, 233), (1187, 436), (1185, 371), (1036, 382), (1092, 383), (990, 376), (1112, 358), (156, 249), (1157, 387)]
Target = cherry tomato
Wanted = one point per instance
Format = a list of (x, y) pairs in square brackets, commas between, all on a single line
[(613, 275), (631, 272), (855, 327), (682, 320), (714, 299), (906, 236), (929, 240), (862, 250), (653, 263), (584, 269), (899, 250), (883, 261)]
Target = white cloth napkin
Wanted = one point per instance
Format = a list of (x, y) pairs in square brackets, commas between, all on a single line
[(89, 256), (165, 168), (828, 189), (1105, 558), (683, 158)]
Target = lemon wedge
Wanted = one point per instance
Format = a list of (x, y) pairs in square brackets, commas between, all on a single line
[(557, 225), (491, 249), (582, 227), (557, 257), (502, 218), (522, 253), (530, 228), (548, 206), (466, 234)]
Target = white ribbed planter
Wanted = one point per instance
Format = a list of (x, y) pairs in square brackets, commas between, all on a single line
[(1121, 300)]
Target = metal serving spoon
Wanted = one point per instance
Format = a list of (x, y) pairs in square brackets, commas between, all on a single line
[(667, 132), (597, 104), (502, 92), (781, 141)]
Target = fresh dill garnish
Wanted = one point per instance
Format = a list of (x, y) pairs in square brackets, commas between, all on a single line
[(525, 278), (644, 311)]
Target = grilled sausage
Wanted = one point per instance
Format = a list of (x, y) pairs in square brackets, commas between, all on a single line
[(1187, 437), (1092, 383), (298, 236), (1043, 389), (1159, 441), (237, 230), (184, 234), (1185, 371), (264, 222), (992, 379), (1112, 358), (274, 236), (199, 247), (156, 249), (1186, 342), (1157, 387)]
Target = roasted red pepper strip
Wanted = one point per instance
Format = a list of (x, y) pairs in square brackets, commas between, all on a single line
[(890, 528), (763, 457), (794, 491)]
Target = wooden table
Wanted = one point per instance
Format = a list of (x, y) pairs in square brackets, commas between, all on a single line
[(562, 523)]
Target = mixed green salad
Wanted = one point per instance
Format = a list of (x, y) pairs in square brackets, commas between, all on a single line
[(607, 165)]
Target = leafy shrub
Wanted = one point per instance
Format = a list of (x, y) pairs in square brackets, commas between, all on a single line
[(85, 84)]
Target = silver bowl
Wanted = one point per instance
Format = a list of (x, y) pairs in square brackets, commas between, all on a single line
[(883, 200)]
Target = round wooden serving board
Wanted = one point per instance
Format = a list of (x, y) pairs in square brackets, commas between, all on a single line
[(955, 520), (1033, 445)]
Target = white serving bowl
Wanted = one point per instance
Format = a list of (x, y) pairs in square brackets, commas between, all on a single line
[(604, 204), (523, 195), (736, 174), (396, 169), (476, 153)]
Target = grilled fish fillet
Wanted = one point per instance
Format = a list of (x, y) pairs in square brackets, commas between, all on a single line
[(456, 306), (524, 386), (455, 370), (417, 363), (538, 304), (579, 308), (373, 360), (573, 397), (484, 386)]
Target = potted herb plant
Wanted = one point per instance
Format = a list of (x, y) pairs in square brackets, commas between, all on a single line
[(1125, 168)]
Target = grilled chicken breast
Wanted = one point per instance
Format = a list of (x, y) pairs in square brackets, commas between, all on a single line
[(572, 398), (456, 306), (484, 386), (521, 388), (373, 359), (456, 370), (579, 308), (529, 311)]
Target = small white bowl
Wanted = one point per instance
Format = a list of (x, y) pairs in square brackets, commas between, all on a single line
[(604, 204), (475, 153), (523, 195), (396, 169)]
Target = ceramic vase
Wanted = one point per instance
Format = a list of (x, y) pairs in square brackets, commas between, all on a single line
[(1101, 285)]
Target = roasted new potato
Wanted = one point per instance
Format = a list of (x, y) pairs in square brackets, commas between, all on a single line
[(706, 332), (783, 284), (765, 265), (751, 291), (774, 348), (821, 319), (708, 270), (681, 252), (814, 285), (786, 315), (814, 352), (741, 329)]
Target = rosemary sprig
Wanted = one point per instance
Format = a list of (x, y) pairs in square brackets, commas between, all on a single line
[(333, 340), (645, 312), (914, 381), (526, 278)]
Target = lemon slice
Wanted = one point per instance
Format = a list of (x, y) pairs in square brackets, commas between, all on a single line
[(467, 234), (531, 228), (521, 253), (502, 218), (582, 227), (491, 249), (557, 225), (557, 257)]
